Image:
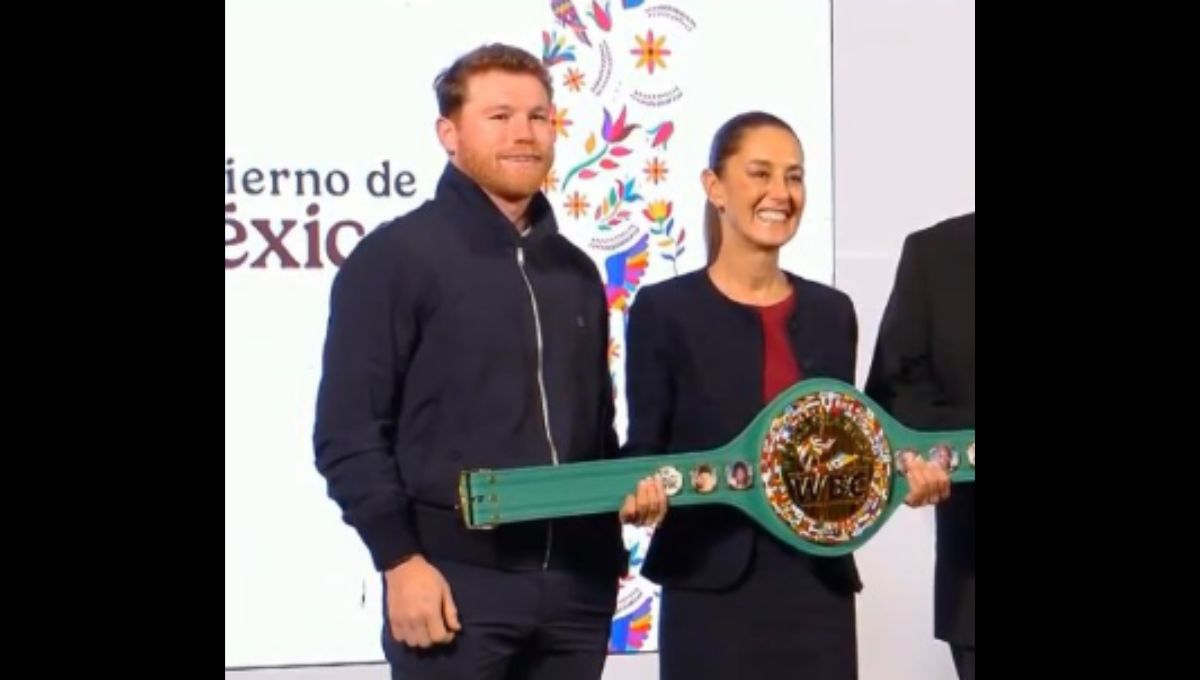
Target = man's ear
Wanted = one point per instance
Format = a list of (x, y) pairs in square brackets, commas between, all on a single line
[(447, 134)]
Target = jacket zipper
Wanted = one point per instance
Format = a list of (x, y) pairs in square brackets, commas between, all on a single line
[(537, 327)]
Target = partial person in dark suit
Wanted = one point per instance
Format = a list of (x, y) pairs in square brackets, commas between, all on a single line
[(923, 373), (706, 352)]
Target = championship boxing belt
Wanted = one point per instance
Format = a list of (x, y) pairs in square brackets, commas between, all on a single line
[(821, 468)]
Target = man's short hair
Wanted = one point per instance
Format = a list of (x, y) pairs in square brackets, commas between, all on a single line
[(451, 84)]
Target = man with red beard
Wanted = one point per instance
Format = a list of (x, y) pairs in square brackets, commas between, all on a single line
[(470, 334)]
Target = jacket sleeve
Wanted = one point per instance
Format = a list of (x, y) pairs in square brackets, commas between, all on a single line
[(852, 336), (902, 378), (608, 406), (371, 334), (648, 386)]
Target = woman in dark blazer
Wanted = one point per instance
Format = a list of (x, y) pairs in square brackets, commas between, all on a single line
[(706, 352)]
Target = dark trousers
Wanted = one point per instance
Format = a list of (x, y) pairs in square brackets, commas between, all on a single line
[(538, 625), (964, 661)]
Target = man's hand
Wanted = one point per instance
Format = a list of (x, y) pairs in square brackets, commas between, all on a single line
[(928, 482), (421, 611), (647, 505)]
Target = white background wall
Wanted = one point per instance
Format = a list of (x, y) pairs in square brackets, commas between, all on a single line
[(904, 147)]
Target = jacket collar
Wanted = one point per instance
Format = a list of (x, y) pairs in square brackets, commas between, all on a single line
[(478, 217), (800, 290), (805, 325)]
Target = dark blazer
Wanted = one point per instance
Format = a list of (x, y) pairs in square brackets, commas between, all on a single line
[(923, 373), (694, 373)]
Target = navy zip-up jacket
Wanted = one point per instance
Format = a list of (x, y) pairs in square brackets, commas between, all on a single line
[(455, 343)]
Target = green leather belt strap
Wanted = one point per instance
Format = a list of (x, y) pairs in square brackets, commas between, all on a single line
[(821, 467)]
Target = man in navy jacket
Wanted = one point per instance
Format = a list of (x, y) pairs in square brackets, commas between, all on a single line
[(469, 334)]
